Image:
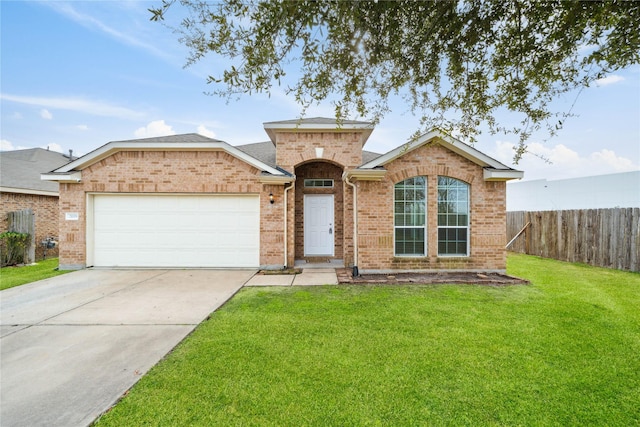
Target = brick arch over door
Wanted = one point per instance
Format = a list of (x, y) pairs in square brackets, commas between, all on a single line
[(319, 170)]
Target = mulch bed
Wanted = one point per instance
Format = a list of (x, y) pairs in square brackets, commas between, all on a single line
[(490, 279)]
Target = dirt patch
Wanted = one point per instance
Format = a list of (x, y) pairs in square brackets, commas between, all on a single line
[(280, 272), (470, 278)]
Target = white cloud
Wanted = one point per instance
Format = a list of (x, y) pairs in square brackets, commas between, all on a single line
[(94, 24), (6, 145), (155, 128), (45, 114), (53, 147), (16, 116), (565, 162), (79, 105), (202, 130), (609, 80), (82, 127)]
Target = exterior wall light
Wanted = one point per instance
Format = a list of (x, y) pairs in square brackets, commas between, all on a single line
[(271, 198)]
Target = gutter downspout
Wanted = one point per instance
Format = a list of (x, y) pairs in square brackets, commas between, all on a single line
[(355, 272), (286, 190)]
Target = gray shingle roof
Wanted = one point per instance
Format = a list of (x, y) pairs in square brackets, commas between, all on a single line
[(266, 152), (317, 121), (263, 151), (22, 168), (185, 137), (368, 156)]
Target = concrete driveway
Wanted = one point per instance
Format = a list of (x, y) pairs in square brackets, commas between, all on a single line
[(71, 345)]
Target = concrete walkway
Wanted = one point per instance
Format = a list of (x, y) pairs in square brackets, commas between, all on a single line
[(71, 345), (308, 277)]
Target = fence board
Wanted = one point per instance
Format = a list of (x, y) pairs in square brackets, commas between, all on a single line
[(24, 222), (601, 237)]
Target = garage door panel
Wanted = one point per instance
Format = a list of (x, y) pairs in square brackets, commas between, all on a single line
[(176, 231)]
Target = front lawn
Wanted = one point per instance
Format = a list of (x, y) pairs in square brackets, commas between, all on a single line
[(562, 351), (15, 276)]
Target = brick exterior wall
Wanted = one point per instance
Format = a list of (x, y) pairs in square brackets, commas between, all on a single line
[(195, 172), (343, 150), (45, 211), (214, 172), (488, 214)]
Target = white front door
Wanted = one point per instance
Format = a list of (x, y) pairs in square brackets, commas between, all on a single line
[(319, 227)]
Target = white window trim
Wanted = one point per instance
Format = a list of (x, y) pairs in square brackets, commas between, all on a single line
[(424, 227), (312, 180), (468, 227)]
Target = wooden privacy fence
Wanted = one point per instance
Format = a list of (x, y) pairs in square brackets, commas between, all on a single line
[(21, 222), (601, 237)]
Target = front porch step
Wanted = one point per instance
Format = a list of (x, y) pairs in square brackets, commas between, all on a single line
[(317, 263)]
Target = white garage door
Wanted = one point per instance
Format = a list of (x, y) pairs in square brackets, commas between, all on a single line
[(176, 231)]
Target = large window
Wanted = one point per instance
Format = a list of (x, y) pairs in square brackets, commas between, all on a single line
[(453, 217), (410, 210)]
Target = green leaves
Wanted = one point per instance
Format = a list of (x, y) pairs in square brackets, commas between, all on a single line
[(456, 64), (12, 247)]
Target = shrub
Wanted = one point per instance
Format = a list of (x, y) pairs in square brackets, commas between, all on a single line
[(13, 247)]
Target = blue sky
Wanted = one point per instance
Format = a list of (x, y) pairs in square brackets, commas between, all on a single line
[(76, 75)]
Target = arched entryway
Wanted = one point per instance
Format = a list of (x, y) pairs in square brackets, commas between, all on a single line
[(319, 211)]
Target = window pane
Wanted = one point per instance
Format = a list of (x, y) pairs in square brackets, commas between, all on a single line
[(442, 248), (453, 216), (410, 216), (462, 248)]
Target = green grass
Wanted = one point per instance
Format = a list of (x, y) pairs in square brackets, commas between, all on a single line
[(16, 276), (562, 351)]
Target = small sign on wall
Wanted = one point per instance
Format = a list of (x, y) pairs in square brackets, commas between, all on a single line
[(71, 216)]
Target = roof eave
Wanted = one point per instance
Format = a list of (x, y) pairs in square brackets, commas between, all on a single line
[(491, 174), (272, 127), (116, 146), (29, 191), (365, 174), (437, 136), (276, 180), (73, 177)]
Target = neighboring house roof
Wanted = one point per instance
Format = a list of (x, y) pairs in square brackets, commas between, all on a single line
[(72, 172), (20, 171), (266, 152), (493, 169)]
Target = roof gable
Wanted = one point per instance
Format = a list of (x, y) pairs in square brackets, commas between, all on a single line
[(185, 142), (266, 152), (494, 170)]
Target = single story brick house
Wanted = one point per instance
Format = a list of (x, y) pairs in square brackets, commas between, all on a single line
[(311, 191), (21, 188)]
